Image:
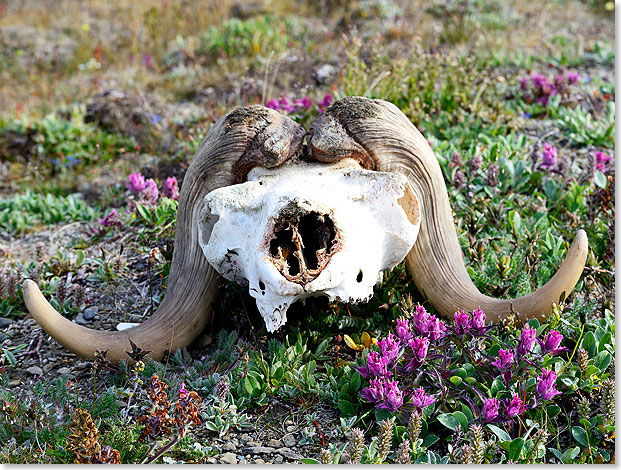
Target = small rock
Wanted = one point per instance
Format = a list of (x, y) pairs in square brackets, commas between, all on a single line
[(274, 443), (278, 459), (79, 319), (290, 428), (47, 368), (211, 460), (64, 371), (253, 443), (288, 453), (229, 446), (5, 322), (126, 326), (257, 450), (14, 382), (288, 440), (259, 461), (324, 73), (229, 458), (35, 370), (90, 312)]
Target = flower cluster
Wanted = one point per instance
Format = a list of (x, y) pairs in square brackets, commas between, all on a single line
[(538, 88), (601, 161), (83, 441), (158, 421), (423, 348), (287, 105)]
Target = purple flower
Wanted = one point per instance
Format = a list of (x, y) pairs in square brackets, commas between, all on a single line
[(390, 349), (155, 118), (302, 103), (515, 406), (393, 396), (148, 61), (478, 319), (136, 183), (171, 189), (325, 102), (601, 161), (572, 77), (150, 193), (549, 156), (273, 104), (377, 366), (403, 329), (420, 399), (546, 385), (490, 409), (285, 105), (374, 392), (462, 322), (419, 350), (111, 219), (505, 359), (438, 329), (420, 320), (182, 391), (551, 342), (527, 340)]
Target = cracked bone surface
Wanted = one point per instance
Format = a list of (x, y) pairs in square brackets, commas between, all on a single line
[(309, 229)]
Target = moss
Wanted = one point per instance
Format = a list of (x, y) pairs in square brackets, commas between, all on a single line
[(353, 108)]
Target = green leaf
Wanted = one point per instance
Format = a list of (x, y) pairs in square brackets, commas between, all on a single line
[(502, 435), (449, 421), (602, 360), (323, 346), (580, 436), (588, 343), (600, 179), (11, 358), (515, 449), (309, 461), (462, 418), (456, 380), (497, 386), (429, 440), (570, 454), (553, 411), (605, 340), (467, 411), (347, 408), (381, 415)]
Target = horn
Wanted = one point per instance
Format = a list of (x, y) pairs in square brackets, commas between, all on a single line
[(246, 137), (378, 128)]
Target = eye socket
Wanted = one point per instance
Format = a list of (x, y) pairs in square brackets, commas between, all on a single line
[(261, 285), (359, 276)]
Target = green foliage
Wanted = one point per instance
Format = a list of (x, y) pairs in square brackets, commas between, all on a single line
[(24, 212), (582, 130)]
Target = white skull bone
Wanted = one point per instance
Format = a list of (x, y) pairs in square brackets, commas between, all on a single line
[(308, 229)]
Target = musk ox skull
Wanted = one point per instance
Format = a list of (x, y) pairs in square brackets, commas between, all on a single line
[(257, 146)]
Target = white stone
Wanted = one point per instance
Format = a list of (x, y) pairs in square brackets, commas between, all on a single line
[(126, 326), (375, 234)]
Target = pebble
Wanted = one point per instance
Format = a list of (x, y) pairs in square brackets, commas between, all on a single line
[(79, 319), (5, 322), (90, 312), (35, 370), (259, 461), (274, 443), (14, 382), (229, 458), (288, 440), (258, 450), (47, 368), (278, 459), (64, 371), (229, 446), (288, 453), (290, 428)]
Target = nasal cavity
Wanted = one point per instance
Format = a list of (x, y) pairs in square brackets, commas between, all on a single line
[(302, 243)]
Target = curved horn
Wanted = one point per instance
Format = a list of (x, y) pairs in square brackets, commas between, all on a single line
[(244, 138), (436, 260)]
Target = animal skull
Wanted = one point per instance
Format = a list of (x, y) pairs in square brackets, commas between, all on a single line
[(358, 133), (307, 229)]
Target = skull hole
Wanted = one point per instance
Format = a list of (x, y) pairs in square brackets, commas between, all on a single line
[(359, 277), (302, 243)]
